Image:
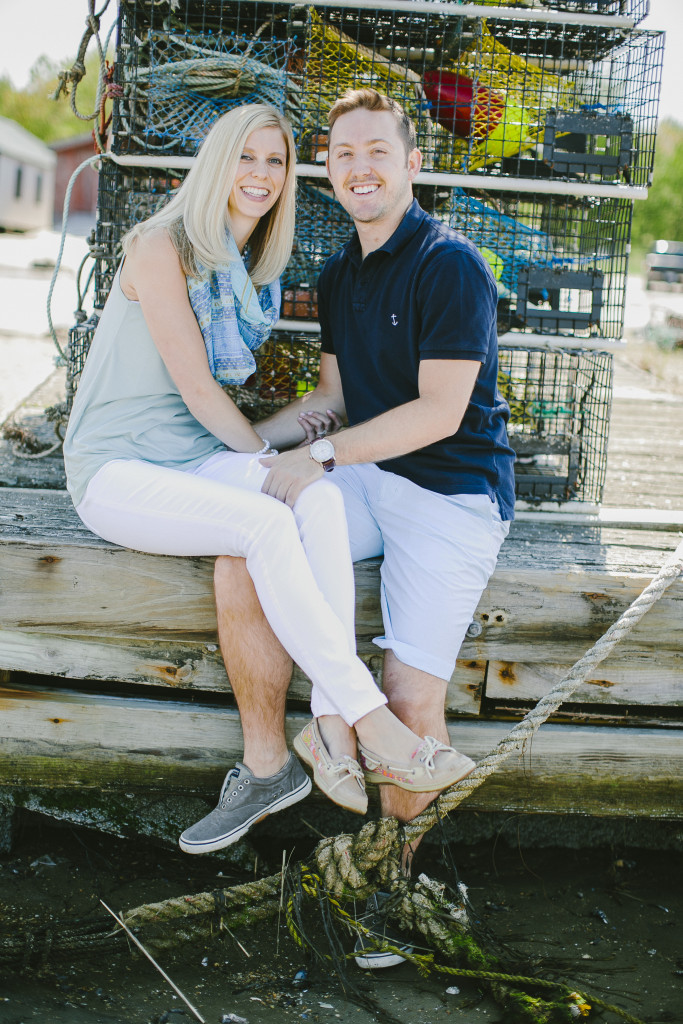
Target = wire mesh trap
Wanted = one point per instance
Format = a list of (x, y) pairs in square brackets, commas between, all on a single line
[(559, 405), (560, 262), (559, 421), (498, 96)]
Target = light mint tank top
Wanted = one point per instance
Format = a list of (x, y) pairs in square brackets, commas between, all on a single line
[(127, 406)]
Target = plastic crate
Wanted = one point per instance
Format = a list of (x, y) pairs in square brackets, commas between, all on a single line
[(499, 96)]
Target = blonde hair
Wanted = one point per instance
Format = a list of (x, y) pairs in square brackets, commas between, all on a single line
[(197, 217)]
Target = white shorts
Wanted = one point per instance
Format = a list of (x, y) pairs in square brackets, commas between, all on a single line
[(439, 552)]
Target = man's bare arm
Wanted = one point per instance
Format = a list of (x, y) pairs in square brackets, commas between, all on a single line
[(283, 428), (445, 387)]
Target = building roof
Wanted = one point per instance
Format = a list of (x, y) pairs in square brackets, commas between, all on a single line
[(20, 144), (81, 141)]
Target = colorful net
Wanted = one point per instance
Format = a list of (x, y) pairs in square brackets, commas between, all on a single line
[(335, 63), (492, 103)]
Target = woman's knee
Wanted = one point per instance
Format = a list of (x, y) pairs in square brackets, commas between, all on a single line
[(321, 496)]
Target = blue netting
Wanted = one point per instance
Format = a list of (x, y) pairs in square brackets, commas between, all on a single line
[(507, 243), (190, 81), (510, 245)]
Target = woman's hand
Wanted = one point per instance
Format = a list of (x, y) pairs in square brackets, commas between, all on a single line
[(318, 424)]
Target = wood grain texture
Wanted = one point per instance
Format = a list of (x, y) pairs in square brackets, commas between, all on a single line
[(643, 681), (64, 738), (181, 665)]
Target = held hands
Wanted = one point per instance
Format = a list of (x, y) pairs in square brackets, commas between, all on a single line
[(318, 424), (292, 471)]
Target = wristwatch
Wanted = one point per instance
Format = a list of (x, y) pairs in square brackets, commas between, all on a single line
[(322, 451)]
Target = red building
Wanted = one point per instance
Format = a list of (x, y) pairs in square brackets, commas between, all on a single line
[(70, 153)]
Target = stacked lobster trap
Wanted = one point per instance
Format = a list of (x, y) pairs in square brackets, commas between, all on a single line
[(537, 125)]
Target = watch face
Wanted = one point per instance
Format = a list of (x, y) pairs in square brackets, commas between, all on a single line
[(322, 450)]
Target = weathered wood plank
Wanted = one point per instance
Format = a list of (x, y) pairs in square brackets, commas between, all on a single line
[(63, 738), (565, 600), (96, 607), (181, 665), (643, 681)]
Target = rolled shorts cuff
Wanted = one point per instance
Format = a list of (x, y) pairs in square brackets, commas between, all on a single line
[(415, 658)]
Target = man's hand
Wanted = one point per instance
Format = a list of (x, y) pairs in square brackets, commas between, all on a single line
[(289, 473)]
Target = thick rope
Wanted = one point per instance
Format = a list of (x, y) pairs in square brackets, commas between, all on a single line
[(73, 76), (548, 705)]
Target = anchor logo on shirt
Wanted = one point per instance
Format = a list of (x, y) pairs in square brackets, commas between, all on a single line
[(394, 319)]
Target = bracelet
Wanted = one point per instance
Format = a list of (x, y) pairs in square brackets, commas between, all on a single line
[(267, 450)]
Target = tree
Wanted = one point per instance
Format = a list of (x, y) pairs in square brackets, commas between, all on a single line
[(34, 108), (661, 214)]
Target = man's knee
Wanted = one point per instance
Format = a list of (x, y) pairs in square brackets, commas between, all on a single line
[(233, 585)]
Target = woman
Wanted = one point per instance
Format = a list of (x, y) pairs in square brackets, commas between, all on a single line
[(161, 460)]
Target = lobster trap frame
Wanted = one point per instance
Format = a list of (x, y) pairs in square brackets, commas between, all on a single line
[(559, 405), (560, 261), (503, 97)]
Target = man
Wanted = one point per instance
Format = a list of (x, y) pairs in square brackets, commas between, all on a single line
[(409, 357)]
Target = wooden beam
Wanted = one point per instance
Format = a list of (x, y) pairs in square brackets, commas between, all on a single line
[(555, 591), (181, 665), (640, 682), (54, 738)]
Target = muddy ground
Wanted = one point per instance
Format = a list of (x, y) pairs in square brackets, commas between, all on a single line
[(607, 918)]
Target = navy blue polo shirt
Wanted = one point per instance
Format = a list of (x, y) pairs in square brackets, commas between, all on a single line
[(427, 293)]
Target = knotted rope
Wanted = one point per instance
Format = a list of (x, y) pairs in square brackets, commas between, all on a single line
[(68, 81), (345, 861)]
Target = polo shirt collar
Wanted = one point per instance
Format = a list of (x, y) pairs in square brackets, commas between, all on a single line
[(412, 219)]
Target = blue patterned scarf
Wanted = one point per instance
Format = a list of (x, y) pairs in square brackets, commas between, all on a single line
[(234, 319)]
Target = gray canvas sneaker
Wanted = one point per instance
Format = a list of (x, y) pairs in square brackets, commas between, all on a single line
[(245, 800)]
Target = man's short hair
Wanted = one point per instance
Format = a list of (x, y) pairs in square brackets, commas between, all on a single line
[(370, 99)]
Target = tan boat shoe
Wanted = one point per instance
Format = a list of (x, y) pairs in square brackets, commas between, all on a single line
[(341, 779), (433, 766)]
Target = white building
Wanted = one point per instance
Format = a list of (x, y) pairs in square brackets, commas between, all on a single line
[(27, 179)]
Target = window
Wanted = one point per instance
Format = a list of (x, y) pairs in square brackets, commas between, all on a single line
[(39, 188), (17, 182)]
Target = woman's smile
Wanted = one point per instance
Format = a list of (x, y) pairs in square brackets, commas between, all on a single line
[(259, 181)]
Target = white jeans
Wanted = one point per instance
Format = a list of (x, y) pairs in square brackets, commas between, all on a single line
[(299, 559)]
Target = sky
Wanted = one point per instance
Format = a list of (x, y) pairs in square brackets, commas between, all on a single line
[(54, 28)]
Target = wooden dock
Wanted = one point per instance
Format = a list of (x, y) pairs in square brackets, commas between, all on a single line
[(112, 680)]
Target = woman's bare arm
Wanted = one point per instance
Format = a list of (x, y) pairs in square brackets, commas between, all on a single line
[(152, 275)]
